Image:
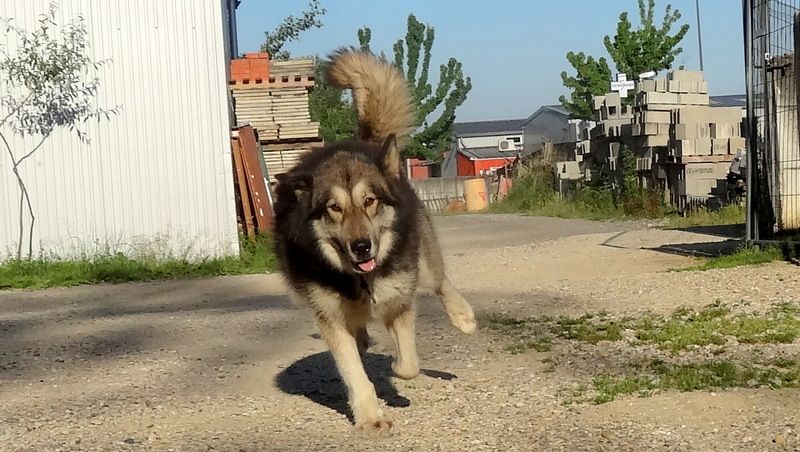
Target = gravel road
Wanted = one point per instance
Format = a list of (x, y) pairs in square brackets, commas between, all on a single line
[(228, 364)]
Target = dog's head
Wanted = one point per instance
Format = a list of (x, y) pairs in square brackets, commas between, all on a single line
[(348, 203)]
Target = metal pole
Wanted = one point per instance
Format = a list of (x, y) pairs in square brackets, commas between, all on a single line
[(750, 149), (699, 38)]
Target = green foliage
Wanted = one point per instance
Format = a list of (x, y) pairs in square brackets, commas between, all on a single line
[(592, 78), (748, 255), (255, 257), (649, 47), (533, 193), (50, 86), (432, 137), (337, 117), (290, 29)]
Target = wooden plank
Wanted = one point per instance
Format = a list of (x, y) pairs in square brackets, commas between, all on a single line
[(240, 180), (255, 180)]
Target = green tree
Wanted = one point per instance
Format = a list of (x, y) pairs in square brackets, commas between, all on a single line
[(50, 86), (432, 137), (290, 29), (649, 47), (591, 79), (336, 116)]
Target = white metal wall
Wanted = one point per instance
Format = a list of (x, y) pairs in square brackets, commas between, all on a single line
[(156, 177), (489, 141)]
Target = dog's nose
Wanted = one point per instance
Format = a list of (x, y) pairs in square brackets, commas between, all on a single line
[(361, 248)]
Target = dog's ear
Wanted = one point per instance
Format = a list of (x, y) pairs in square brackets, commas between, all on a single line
[(389, 157), (299, 183)]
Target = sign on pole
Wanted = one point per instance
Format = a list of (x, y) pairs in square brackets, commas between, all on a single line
[(622, 85)]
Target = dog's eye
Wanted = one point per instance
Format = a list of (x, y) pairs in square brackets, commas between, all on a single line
[(335, 208), (369, 201)]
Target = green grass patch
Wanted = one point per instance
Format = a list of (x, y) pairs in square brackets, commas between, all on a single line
[(255, 257), (711, 375), (749, 255), (727, 215), (711, 325)]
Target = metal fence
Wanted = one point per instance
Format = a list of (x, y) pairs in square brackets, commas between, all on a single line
[(771, 33)]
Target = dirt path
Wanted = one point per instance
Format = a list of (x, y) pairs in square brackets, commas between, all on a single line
[(227, 364)]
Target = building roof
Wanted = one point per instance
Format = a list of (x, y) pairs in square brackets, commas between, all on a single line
[(478, 128), (729, 100), (491, 152)]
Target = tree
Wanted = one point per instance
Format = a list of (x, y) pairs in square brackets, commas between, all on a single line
[(290, 29), (592, 79), (648, 48), (336, 117), (433, 137), (46, 89)]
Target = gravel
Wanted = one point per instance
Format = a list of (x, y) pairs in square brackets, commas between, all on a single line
[(227, 364)]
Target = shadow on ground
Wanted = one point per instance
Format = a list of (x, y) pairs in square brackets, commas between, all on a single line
[(731, 231), (700, 249), (317, 378)]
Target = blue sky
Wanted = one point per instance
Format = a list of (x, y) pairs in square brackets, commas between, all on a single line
[(514, 50)]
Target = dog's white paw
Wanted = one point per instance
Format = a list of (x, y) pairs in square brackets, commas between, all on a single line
[(465, 321), (405, 370), (379, 427)]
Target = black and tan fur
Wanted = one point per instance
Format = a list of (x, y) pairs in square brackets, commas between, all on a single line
[(353, 240)]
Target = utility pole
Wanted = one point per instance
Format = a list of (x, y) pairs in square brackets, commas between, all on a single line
[(699, 38)]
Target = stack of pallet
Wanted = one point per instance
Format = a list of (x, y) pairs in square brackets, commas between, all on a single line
[(278, 108)]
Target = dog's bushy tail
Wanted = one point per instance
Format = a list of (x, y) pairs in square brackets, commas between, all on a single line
[(380, 94)]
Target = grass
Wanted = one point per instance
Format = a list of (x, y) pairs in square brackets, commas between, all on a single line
[(684, 328), (727, 215), (255, 257), (718, 374), (748, 255)]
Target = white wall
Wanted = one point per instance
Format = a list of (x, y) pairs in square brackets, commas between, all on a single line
[(490, 141), (156, 176)]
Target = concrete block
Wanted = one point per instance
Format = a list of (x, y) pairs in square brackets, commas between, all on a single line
[(702, 87), (719, 146), (685, 148), (673, 86), (707, 115), (736, 144), (655, 116), (568, 170), (597, 102), (643, 86), (693, 99), (656, 140), (661, 85), (691, 131), (684, 75), (725, 130), (659, 98), (702, 146)]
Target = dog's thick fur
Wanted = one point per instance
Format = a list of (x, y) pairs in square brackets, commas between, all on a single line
[(353, 240)]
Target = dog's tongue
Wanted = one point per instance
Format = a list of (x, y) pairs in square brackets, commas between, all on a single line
[(367, 266)]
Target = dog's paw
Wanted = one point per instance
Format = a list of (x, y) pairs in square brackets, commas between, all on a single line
[(404, 370), (378, 427), (465, 321)]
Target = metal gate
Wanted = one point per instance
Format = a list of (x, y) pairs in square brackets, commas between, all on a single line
[(771, 33)]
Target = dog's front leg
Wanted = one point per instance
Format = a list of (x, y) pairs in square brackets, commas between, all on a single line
[(401, 326), (361, 392)]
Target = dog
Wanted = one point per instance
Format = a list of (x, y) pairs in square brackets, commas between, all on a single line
[(353, 240)]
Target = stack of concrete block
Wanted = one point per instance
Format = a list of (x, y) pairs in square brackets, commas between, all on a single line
[(656, 99), (578, 129), (611, 116), (704, 131)]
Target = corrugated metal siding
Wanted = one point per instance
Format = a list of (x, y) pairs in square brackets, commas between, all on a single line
[(158, 175)]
